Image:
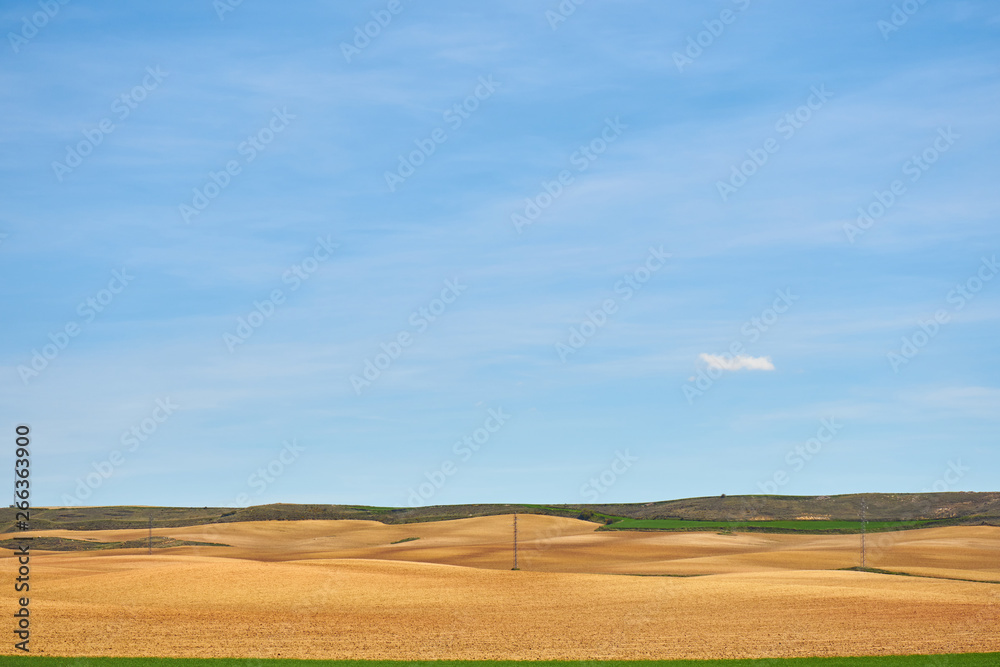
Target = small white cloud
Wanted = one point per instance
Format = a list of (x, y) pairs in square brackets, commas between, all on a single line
[(743, 361)]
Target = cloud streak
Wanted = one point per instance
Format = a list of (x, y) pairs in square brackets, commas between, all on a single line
[(737, 363)]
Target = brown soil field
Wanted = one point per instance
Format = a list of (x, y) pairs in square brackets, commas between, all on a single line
[(340, 589)]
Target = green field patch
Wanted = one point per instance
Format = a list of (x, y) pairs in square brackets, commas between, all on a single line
[(405, 539), (794, 526), (952, 660)]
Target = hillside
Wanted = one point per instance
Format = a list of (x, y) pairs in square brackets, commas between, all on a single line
[(941, 508), (881, 507)]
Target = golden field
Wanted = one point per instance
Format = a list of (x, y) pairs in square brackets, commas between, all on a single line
[(340, 589)]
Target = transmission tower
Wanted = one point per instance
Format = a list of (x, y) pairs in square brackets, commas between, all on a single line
[(864, 526), (515, 542)]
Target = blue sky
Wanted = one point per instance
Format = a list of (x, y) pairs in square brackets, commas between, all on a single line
[(681, 195)]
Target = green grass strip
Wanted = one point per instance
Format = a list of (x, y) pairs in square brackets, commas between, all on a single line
[(875, 570), (950, 660)]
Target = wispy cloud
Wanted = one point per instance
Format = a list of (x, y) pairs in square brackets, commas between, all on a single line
[(737, 363)]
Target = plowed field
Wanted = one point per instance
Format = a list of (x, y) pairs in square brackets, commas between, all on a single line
[(340, 589)]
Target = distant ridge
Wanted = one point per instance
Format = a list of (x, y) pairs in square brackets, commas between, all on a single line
[(960, 508)]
